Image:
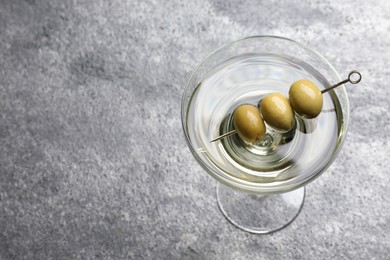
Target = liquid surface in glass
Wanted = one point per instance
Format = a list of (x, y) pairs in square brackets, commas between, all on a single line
[(278, 156)]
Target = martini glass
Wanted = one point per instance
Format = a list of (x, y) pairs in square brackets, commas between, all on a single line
[(261, 186)]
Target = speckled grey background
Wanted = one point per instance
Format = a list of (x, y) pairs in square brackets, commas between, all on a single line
[(93, 162)]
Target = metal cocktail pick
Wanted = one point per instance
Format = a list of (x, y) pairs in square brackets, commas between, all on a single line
[(350, 79)]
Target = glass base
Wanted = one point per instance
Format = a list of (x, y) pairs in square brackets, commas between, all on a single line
[(260, 214)]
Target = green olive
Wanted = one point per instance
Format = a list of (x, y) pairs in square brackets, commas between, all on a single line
[(248, 123), (277, 112), (306, 98)]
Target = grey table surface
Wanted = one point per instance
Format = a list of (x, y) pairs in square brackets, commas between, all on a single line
[(93, 161)]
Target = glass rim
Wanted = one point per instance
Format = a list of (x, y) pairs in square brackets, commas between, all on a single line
[(254, 187)]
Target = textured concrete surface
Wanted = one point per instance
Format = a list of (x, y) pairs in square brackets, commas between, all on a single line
[(93, 162)]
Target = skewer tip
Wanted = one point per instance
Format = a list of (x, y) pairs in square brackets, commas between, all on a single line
[(224, 135)]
